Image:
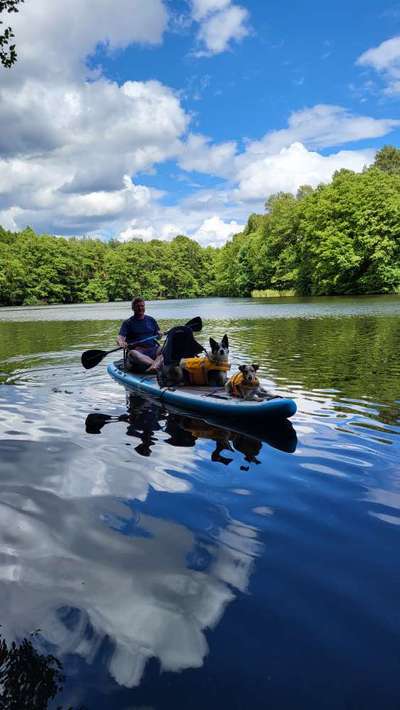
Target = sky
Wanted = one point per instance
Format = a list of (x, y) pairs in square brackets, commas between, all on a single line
[(152, 118)]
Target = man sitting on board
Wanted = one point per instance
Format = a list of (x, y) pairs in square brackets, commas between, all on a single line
[(142, 356)]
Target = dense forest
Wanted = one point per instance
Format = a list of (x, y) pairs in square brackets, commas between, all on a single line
[(340, 238)]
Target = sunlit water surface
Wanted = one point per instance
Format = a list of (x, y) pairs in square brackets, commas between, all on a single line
[(168, 563)]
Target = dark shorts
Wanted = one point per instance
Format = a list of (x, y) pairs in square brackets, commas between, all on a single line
[(138, 367)]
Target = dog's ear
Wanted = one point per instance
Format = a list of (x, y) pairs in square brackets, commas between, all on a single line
[(213, 344), (225, 342), (242, 368), (255, 367)]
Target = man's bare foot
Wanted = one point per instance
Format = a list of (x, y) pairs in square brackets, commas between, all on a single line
[(151, 370), (158, 362)]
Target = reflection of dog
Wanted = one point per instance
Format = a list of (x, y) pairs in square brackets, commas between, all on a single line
[(218, 355), (245, 384), (170, 375)]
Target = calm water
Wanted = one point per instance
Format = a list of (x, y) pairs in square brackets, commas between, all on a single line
[(151, 560)]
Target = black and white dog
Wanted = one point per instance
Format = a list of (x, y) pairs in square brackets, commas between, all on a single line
[(219, 356), (210, 369)]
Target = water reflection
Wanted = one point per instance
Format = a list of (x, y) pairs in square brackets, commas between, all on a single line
[(29, 680), (120, 580), (144, 418), (143, 535), (106, 574)]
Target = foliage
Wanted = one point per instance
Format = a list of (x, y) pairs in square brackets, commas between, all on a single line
[(388, 159), (340, 238), (349, 235), (44, 269), (8, 53)]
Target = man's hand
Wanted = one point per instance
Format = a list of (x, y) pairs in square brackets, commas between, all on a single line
[(122, 342)]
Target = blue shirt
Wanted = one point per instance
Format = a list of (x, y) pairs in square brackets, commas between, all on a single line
[(134, 329)]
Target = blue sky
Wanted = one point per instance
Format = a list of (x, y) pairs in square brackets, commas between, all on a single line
[(151, 119)]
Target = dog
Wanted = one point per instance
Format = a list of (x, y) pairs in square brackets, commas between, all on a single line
[(218, 355), (245, 384), (210, 369)]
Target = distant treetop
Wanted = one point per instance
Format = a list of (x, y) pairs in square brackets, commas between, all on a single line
[(388, 160), (8, 53)]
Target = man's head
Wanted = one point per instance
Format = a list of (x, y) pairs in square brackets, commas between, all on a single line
[(138, 307)]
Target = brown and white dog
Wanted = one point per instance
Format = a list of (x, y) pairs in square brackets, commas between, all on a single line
[(245, 383)]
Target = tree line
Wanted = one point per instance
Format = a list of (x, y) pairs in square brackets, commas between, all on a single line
[(340, 238)]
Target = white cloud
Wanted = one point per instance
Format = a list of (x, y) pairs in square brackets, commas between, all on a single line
[(323, 126), (109, 204), (203, 8), (284, 159), (68, 136), (218, 31), (383, 56), (99, 132), (147, 231), (221, 22), (292, 167), (56, 37), (385, 59), (215, 232), (71, 516), (72, 143), (101, 126), (197, 154)]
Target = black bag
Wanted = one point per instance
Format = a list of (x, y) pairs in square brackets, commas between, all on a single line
[(180, 343)]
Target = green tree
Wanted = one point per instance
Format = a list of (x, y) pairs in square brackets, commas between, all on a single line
[(8, 53), (349, 235), (388, 160)]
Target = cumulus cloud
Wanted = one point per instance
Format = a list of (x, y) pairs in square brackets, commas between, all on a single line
[(204, 8), (292, 167), (215, 232), (287, 158), (99, 132), (73, 143), (211, 231), (385, 59), (68, 135), (146, 231), (198, 154), (323, 126), (220, 29), (56, 38), (221, 22)]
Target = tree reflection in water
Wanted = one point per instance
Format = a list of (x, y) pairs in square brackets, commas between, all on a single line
[(144, 419), (29, 680)]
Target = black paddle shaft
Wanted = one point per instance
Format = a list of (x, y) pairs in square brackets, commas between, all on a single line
[(91, 358)]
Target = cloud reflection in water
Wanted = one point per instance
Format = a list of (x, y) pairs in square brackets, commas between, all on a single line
[(91, 567)]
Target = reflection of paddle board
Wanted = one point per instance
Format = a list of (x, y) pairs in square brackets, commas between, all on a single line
[(204, 400)]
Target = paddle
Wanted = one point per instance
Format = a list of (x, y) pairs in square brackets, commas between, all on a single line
[(91, 358)]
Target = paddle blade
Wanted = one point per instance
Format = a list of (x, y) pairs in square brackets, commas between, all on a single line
[(195, 324), (91, 358)]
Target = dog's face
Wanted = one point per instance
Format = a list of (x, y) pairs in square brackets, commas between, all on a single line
[(219, 351), (249, 374)]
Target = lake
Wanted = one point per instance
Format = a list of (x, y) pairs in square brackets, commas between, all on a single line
[(151, 560)]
